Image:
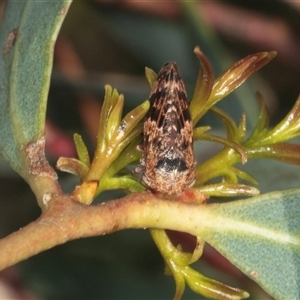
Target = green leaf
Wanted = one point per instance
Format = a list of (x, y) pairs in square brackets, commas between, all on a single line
[(198, 135), (229, 123), (129, 155), (203, 87), (110, 99), (131, 120), (81, 150), (114, 118), (288, 128), (244, 175), (126, 183), (73, 166), (234, 76), (177, 263), (151, 76), (263, 119), (285, 152), (261, 236), (211, 288), (229, 190), (27, 36)]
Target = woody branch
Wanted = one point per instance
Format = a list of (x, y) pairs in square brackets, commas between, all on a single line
[(65, 220)]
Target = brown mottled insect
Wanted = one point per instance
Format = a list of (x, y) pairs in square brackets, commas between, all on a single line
[(168, 156)]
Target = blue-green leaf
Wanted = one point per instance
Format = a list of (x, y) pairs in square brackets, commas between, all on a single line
[(27, 36), (261, 236)]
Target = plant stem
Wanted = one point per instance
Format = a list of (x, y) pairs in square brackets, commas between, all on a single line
[(65, 219)]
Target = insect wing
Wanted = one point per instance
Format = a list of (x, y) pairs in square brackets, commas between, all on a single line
[(168, 156)]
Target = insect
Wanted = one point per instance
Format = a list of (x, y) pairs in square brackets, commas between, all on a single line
[(168, 156)]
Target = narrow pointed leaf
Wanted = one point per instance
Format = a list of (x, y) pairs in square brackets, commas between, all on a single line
[(244, 175), (225, 142), (114, 118), (198, 131), (131, 120), (203, 87), (198, 251), (124, 183), (263, 119), (211, 288), (288, 128), (81, 149), (241, 129), (232, 78), (229, 190), (110, 99), (73, 166), (150, 75), (172, 257), (229, 123), (129, 155), (288, 153)]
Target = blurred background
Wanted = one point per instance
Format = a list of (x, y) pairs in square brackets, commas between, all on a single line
[(111, 42)]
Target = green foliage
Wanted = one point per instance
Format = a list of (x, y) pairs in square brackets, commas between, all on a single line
[(237, 148), (116, 148), (259, 235), (26, 64), (177, 265)]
